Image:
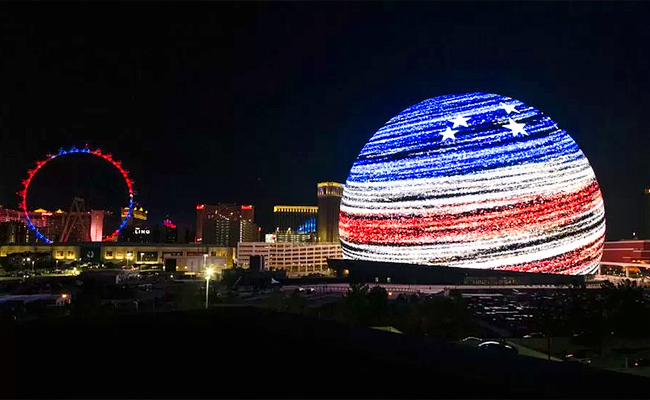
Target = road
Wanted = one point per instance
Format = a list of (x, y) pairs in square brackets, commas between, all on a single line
[(314, 299), (393, 289)]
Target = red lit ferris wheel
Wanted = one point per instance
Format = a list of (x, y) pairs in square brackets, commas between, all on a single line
[(39, 164)]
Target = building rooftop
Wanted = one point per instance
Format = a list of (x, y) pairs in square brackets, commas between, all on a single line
[(280, 208)]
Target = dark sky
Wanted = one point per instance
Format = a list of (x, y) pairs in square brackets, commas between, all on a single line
[(256, 102)]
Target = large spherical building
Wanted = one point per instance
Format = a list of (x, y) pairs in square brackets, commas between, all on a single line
[(478, 181)]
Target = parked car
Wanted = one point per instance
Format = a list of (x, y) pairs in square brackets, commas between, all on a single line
[(640, 362), (498, 347), (471, 341), (580, 356)]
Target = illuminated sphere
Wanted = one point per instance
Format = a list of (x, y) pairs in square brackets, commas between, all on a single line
[(476, 181)]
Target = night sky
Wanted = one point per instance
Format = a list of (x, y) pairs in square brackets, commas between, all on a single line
[(256, 102)]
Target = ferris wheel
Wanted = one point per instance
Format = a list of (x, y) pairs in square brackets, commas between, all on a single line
[(61, 153)]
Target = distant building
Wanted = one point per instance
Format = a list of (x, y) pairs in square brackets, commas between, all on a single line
[(169, 231), (53, 226), (78, 226), (132, 253), (50, 224), (256, 263), (300, 219), (138, 229), (249, 231), (136, 234), (13, 232), (294, 258), (96, 225), (7, 215), (627, 251), (13, 227), (293, 237), (329, 205), (225, 224), (295, 224), (196, 263), (138, 214), (646, 214)]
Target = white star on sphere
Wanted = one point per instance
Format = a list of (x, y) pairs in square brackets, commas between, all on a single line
[(508, 108), (459, 121), (516, 128), (448, 134)]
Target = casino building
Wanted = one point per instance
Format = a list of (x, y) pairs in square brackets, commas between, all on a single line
[(225, 224), (329, 204), (87, 226), (296, 259), (127, 254), (295, 223)]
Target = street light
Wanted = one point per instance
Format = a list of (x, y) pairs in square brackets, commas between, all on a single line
[(208, 273)]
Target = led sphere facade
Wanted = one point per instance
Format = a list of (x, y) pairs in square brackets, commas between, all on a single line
[(475, 181)]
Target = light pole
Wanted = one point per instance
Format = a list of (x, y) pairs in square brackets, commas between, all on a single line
[(208, 272), (205, 257)]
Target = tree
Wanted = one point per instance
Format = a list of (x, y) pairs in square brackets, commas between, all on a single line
[(355, 303), (625, 309), (296, 304), (275, 301), (378, 304), (111, 265), (187, 296), (8, 264), (444, 317)]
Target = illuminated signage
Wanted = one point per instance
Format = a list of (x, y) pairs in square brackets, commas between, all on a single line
[(247, 207), (142, 231)]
